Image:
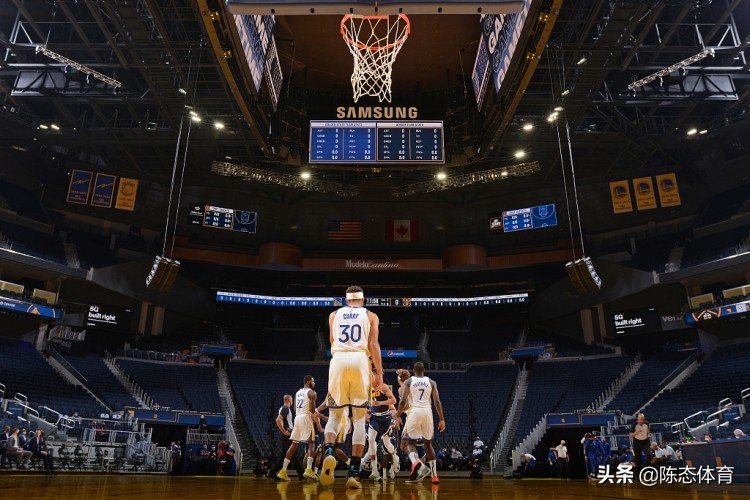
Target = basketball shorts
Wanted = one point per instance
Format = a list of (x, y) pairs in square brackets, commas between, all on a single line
[(381, 424), (349, 380), (303, 429), (419, 425)]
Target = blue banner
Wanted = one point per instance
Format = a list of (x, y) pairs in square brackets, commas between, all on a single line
[(29, 308), (104, 190), (80, 185), (697, 316)]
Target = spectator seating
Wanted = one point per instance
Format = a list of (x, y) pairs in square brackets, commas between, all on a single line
[(40, 245), (478, 344), (723, 374), (564, 345), (398, 338), (713, 247), (23, 202), (645, 383), (566, 386), (726, 205), (179, 386), (93, 249), (101, 381), (23, 369)]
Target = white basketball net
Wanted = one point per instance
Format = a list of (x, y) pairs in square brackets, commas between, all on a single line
[(374, 42)]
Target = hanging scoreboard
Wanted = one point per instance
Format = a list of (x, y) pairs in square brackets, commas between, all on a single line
[(242, 221), (525, 218), (376, 142)]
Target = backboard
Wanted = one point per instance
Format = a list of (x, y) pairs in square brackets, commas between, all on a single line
[(372, 7)]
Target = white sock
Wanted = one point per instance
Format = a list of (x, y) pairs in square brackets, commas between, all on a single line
[(348, 462), (309, 462), (315, 470), (286, 464), (433, 468), (413, 457)]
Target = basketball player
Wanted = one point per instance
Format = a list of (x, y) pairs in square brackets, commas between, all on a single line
[(354, 340), (382, 401), (344, 430), (421, 393), (303, 431)]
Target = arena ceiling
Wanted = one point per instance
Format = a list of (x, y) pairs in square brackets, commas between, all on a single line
[(594, 50)]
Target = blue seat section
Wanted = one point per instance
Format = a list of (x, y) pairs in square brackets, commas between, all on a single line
[(645, 383), (40, 245), (22, 201), (398, 338), (652, 254), (102, 382), (93, 250), (287, 344), (179, 386), (478, 344), (473, 401), (566, 386), (714, 247), (23, 369), (723, 374), (564, 345), (725, 206)]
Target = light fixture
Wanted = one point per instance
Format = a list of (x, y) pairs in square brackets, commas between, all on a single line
[(43, 126), (218, 125), (197, 119), (565, 92), (704, 131), (552, 117), (192, 113), (305, 175), (182, 91), (558, 108), (79, 67), (504, 173), (520, 153), (55, 126), (441, 176), (692, 131), (582, 60), (528, 126), (671, 69)]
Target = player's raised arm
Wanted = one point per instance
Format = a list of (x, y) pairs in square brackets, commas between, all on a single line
[(388, 402), (438, 405), (374, 348)]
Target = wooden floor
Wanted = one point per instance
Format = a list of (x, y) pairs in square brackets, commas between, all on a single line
[(158, 487)]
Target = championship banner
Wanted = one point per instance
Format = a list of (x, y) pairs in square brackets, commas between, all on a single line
[(104, 190), (645, 198), (80, 185), (669, 192), (620, 193), (126, 194)]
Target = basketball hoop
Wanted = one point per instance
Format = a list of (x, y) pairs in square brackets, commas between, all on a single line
[(374, 42)]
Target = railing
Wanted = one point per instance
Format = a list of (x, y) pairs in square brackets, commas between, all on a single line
[(58, 419), (505, 431), (61, 359), (673, 374), (130, 383), (529, 442), (115, 436), (615, 387)]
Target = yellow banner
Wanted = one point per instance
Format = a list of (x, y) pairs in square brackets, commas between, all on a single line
[(669, 192), (645, 198), (620, 192), (126, 194)]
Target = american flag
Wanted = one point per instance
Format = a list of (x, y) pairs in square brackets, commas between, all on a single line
[(343, 230)]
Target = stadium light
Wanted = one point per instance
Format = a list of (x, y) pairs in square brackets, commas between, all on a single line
[(305, 175), (78, 66), (441, 176), (671, 69), (528, 126), (520, 153)]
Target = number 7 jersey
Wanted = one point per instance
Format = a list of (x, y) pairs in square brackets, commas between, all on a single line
[(420, 392), (351, 330)]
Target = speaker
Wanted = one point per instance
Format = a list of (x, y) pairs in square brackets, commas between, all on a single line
[(162, 274), (583, 276)]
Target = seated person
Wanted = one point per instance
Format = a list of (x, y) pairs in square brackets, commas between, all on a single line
[(38, 447), (13, 449)]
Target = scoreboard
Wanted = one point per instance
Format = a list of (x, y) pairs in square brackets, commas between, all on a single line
[(271, 300), (525, 218), (376, 142), (230, 219)]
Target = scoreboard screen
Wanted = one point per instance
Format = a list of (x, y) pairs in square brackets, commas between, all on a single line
[(376, 142), (230, 219), (525, 218)]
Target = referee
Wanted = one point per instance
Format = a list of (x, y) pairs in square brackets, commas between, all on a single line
[(640, 431), (285, 423)]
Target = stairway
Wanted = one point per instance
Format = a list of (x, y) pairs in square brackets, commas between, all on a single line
[(236, 429), (504, 442), (140, 396), (617, 385), (71, 253), (71, 375)]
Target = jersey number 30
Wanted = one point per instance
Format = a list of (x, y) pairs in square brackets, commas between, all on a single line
[(353, 332)]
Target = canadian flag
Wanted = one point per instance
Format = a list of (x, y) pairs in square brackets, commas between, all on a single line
[(402, 230)]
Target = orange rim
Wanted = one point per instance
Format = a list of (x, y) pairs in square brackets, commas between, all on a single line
[(362, 46)]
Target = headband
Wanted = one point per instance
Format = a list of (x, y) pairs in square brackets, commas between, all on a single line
[(355, 295)]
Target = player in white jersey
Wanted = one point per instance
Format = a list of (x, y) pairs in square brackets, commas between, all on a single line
[(303, 430), (354, 341), (421, 392)]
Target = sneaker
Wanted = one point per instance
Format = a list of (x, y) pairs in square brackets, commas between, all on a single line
[(424, 471), (326, 475), (353, 482), (375, 476), (414, 471), (283, 475), (435, 480), (309, 474)]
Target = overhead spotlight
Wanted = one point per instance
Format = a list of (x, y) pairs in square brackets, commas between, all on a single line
[(565, 92), (582, 61), (182, 91), (558, 108), (305, 175), (528, 126), (43, 126), (218, 125), (504, 173), (552, 117), (704, 131), (192, 113), (520, 153), (197, 119), (55, 126), (692, 131), (441, 176)]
